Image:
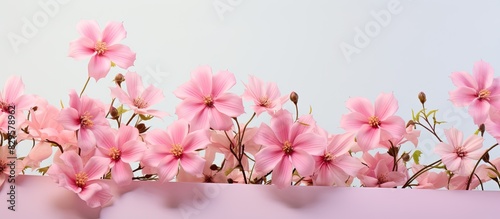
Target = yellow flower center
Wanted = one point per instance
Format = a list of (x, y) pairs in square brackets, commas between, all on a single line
[(287, 147), (100, 47), (86, 120), (209, 102), (81, 179), (328, 157), (114, 153), (374, 122), (140, 103), (177, 150), (484, 94)]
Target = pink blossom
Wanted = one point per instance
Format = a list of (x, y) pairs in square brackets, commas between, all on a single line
[(379, 171), (287, 144), (4, 161), (430, 180), (177, 145), (205, 102), (13, 95), (85, 115), (83, 180), (458, 156), (266, 97), (373, 124), (121, 149), (102, 46), (139, 99), (335, 165), (478, 91)]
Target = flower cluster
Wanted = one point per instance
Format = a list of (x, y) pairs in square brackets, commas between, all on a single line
[(90, 140)]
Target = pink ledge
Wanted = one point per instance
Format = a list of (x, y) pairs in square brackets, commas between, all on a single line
[(39, 197)]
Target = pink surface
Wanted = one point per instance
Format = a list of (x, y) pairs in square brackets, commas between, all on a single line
[(39, 197)]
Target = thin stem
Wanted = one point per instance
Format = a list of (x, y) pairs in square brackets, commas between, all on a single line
[(130, 120), (110, 106), (296, 112), (477, 164), (420, 172), (85, 86), (300, 180)]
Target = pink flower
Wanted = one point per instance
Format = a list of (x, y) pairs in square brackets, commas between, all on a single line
[(336, 165), (205, 101), (266, 97), (83, 180), (460, 157), (173, 146), (373, 124), (4, 161), (85, 115), (102, 46), (121, 149), (12, 95), (430, 180), (138, 99), (208, 175), (380, 173), (287, 144), (478, 91)]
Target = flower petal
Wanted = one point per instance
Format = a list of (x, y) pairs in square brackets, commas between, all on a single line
[(192, 163), (463, 96), (463, 79), (96, 167), (113, 33), (368, 137), (122, 173), (121, 55), (385, 105), (222, 81), (483, 73), (99, 67), (282, 174), (167, 168), (267, 159), (229, 104), (479, 110), (360, 105), (89, 29), (81, 48), (303, 162)]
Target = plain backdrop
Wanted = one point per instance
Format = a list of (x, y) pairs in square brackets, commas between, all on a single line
[(397, 46)]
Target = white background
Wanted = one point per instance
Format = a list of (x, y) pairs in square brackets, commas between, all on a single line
[(293, 43)]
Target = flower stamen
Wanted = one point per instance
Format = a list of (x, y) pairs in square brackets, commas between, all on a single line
[(177, 150), (140, 103), (374, 122), (81, 179), (287, 147), (461, 152), (328, 157), (209, 102), (86, 120), (100, 47), (484, 94), (114, 153)]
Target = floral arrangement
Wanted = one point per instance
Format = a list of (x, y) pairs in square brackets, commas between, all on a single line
[(90, 140)]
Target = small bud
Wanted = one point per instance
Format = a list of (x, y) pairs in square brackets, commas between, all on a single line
[(422, 97), (119, 78), (486, 158), (214, 167), (482, 129), (393, 151), (405, 157), (114, 113), (35, 108), (294, 97), (142, 128), (230, 181), (410, 123)]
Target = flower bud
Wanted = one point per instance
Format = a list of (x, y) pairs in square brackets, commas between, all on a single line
[(393, 151), (486, 158), (294, 97), (482, 129), (410, 123), (35, 108), (142, 128), (422, 97), (405, 157), (230, 181), (114, 113), (214, 167), (119, 78)]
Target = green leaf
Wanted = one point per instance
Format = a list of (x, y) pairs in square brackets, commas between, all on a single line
[(416, 156), (121, 110), (431, 112), (145, 117), (43, 170)]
